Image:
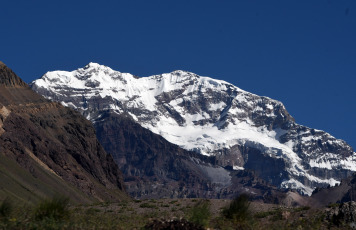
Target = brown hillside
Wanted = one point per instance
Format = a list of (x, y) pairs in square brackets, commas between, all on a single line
[(53, 146)]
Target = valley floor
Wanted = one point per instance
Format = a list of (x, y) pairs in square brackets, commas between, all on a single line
[(160, 214)]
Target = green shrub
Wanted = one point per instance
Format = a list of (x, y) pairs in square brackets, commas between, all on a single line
[(200, 213), (56, 208), (260, 215), (105, 204), (333, 205), (277, 215), (123, 204), (92, 211), (302, 208), (238, 209), (5, 208), (147, 205)]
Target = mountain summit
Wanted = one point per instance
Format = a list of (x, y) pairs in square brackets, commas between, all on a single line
[(211, 117)]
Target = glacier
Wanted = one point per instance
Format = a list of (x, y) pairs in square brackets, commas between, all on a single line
[(208, 116)]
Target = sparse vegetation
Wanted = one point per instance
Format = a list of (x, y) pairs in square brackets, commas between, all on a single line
[(5, 208), (200, 213), (260, 215), (240, 213), (333, 205), (302, 208), (92, 211), (238, 209), (56, 208), (147, 205)]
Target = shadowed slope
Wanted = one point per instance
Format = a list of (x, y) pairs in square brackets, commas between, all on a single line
[(344, 192), (156, 168)]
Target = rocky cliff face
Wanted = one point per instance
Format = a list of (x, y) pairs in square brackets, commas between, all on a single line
[(152, 166), (210, 117), (55, 143), (156, 168)]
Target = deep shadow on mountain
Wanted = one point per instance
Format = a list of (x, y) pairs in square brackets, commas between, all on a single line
[(156, 168), (47, 149), (344, 192)]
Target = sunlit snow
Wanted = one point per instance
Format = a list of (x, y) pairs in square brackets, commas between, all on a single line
[(192, 133)]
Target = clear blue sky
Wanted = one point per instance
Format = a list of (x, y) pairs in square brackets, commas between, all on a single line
[(300, 52)]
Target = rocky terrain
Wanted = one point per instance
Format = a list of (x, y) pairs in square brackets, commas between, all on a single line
[(47, 149), (239, 130), (156, 168), (344, 192), (343, 214)]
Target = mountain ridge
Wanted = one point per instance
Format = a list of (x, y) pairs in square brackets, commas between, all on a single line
[(9, 78), (209, 116)]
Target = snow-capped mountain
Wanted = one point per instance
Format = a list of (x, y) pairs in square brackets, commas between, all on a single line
[(211, 117)]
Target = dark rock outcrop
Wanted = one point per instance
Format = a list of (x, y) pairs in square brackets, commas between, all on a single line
[(343, 214)]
